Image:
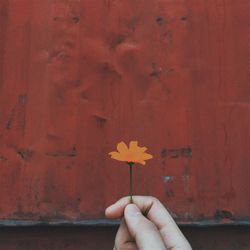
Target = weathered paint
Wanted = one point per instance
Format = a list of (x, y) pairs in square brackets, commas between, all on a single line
[(76, 77), (167, 179)]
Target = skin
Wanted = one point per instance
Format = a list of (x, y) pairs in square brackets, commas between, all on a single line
[(146, 225)]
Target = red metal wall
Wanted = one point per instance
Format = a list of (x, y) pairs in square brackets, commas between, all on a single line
[(76, 77)]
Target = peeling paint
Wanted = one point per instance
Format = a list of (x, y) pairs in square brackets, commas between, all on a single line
[(160, 20), (58, 153), (3, 158), (167, 179), (223, 214), (25, 153), (176, 153)]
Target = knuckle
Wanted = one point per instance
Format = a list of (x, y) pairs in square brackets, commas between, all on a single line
[(153, 199)]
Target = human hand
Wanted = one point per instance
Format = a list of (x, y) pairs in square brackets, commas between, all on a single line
[(147, 225)]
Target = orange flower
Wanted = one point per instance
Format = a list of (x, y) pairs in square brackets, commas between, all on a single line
[(133, 154)]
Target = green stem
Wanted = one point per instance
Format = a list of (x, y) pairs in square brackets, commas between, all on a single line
[(131, 181)]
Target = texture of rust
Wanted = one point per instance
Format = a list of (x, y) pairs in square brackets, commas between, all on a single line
[(76, 77)]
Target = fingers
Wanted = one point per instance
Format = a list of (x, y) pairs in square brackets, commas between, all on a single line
[(123, 239), (115, 211), (149, 206), (144, 232), (155, 212)]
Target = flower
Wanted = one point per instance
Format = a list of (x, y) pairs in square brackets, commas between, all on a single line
[(133, 154)]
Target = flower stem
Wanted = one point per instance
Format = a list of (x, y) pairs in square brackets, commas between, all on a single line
[(131, 181)]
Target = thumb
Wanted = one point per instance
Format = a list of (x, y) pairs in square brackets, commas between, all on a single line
[(144, 232)]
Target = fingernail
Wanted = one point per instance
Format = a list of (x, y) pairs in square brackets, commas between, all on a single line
[(132, 210)]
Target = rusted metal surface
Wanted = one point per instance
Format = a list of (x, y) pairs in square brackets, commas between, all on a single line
[(76, 77)]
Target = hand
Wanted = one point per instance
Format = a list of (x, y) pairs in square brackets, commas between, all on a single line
[(147, 225)]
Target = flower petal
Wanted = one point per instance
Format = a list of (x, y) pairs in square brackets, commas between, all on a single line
[(146, 156), (133, 153), (116, 156), (133, 145), (141, 162), (122, 147), (143, 149)]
